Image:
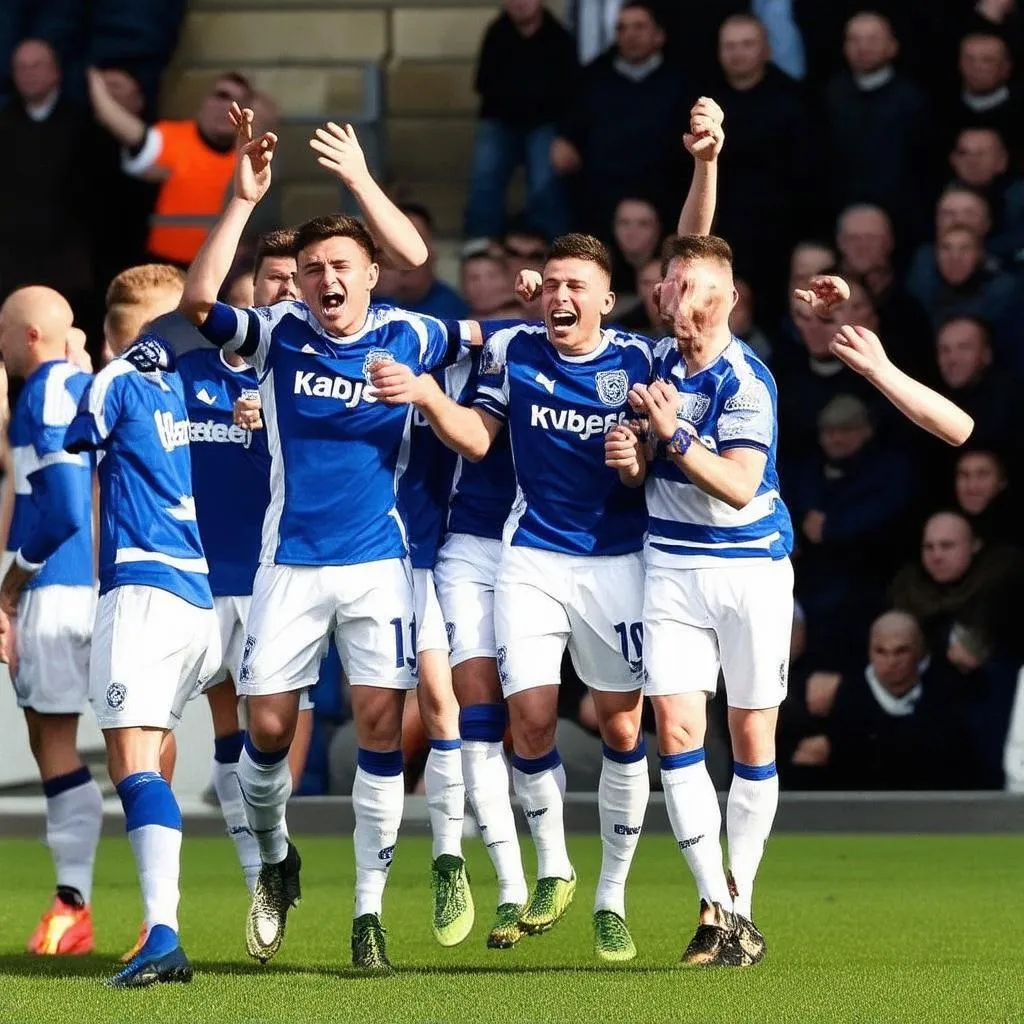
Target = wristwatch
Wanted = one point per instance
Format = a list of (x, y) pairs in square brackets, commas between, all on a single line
[(679, 442)]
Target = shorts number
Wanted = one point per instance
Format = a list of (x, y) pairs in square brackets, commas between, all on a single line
[(635, 633), (400, 659)]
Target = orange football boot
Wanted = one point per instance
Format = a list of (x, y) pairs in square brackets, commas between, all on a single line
[(63, 931)]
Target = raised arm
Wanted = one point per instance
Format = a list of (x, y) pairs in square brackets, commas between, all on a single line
[(862, 351), (214, 259), (468, 431), (703, 142), (128, 129), (341, 154)]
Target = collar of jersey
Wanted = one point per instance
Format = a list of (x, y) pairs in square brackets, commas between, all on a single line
[(587, 356), (679, 369), (337, 339)]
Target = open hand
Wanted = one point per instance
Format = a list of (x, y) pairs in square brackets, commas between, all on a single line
[(823, 294), (252, 169), (340, 152), (860, 349)]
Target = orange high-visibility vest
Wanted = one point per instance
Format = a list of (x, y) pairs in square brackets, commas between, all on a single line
[(192, 196)]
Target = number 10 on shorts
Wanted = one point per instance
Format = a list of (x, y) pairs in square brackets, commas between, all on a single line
[(632, 632)]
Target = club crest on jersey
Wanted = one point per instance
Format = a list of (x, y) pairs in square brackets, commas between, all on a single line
[(373, 357), (116, 693), (693, 407), (490, 362), (612, 386)]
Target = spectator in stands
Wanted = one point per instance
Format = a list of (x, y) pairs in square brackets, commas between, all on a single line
[(743, 325), (525, 248), (238, 289), (487, 287), (419, 289), (621, 134), (888, 726), (879, 126), (525, 72), (808, 259), (866, 244), (636, 240), (987, 98), (46, 182), (644, 317), (964, 353), (984, 496), (981, 161), (849, 501), (192, 160), (766, 194)]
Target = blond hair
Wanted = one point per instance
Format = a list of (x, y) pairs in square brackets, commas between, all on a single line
[(138, 295)]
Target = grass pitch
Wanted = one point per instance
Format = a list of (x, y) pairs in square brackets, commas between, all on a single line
[(860, 929)]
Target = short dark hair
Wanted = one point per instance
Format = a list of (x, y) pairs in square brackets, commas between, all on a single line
[(651, 8), (238, 78), (983, 325), (418, 210), (576, 246), (695, 247), (274, 244), (335, 225)]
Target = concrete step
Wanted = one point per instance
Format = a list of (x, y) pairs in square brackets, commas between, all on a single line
[(446, 200), (431, 86), (441, 32), (227, 38), (301, 201), (429, 148)]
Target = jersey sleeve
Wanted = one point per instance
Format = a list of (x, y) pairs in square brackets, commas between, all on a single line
[(442, 342), (157, 150), (492, 380), (102, 405), (245, 331), (747, 419)]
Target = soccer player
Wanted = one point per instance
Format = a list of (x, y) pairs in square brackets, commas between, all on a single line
[(571, 570), (49, 591), (231, 469), (154, 628), (719, 586), (334, 555)]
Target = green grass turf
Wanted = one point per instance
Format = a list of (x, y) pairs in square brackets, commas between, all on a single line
[(859, 929)]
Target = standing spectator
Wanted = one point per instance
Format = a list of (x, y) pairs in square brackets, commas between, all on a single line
[(984, 496), (636, 235), (525, 73), (766, 192), (987, 99), (418, 289), (45, 182), (192, 160), (878, 122), (621, 135)]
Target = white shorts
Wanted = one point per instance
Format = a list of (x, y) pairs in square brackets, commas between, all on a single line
[(737, 618), (369, 607), (545, 600), (465, 576), (151, 652), (430, 631), (52, 636)]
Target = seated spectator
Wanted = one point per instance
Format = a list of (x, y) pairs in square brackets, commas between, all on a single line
[(621, 134), (956, 583), (983, 495), (879, 127), (419, 289), (981, 161), (46, 183), (849, 502), (988, 98), (888, 726), (487, 287), (636, 240), (525, 73), (742, 324), (192, 160), (766, 197)]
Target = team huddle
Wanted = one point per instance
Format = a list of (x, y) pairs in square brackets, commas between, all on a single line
[(455, 504)]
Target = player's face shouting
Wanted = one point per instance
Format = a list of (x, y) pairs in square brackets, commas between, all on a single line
[(574, 297), (335, 281)]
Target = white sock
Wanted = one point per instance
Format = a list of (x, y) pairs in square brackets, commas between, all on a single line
[(265, 783), (487, 782), (446, 797), (378, 798), (227, 751), (696, 821), (540, 786), (153, 820), (622, 796), (750, 812), (74, 818)]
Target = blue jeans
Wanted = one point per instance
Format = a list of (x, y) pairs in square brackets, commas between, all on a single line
[(497, 151)]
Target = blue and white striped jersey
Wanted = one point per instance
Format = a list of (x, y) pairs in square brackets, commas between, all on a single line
[(148, 531), (337, 454), (51, 524), (732, 404), (558, 410), (230, 469)]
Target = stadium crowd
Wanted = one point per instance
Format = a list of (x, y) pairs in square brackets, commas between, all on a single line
[(881, 144)]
